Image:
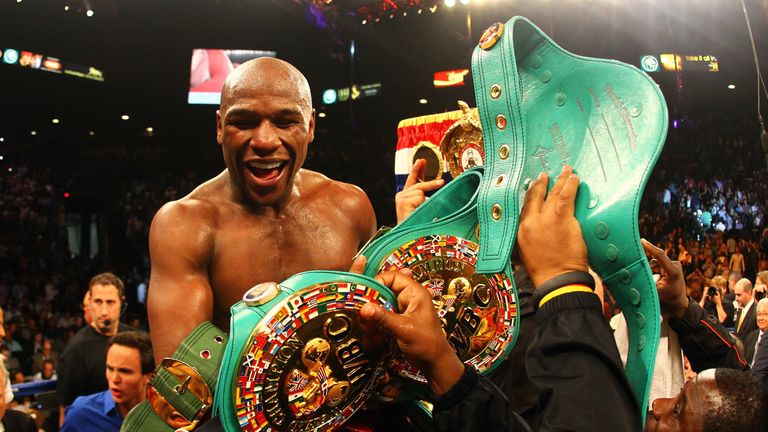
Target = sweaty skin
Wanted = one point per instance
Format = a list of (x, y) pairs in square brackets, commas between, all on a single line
[(262, 219)]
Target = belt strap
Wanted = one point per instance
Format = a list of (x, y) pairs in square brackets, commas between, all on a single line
[(180, 393), (496, 91)]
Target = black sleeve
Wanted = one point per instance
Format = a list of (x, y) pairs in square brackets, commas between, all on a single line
[(475, 404), (729, 311), (705, 342), (574, 361), (71, 373)]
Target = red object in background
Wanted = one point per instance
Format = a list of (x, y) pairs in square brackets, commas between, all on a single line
[(450, 78), (51, 64), (66, 194)]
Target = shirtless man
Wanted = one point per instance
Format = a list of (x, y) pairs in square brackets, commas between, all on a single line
[(264, 218)]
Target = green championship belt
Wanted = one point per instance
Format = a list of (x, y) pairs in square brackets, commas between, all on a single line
[(542, 107), (438, 242), (295, 358)]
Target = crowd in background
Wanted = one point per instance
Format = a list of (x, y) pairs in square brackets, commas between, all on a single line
[(709, 215)]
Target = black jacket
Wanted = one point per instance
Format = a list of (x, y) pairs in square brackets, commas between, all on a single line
[(572, 353), (573, 359)]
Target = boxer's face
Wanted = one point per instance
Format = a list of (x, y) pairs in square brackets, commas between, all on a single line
[(685, 412), (264, 127)]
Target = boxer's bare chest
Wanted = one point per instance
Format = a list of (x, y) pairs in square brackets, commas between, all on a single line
[(249, 250)]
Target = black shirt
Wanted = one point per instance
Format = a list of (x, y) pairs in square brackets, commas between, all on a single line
[(83, 365)]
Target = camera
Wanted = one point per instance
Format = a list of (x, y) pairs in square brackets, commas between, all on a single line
[(712, 291)]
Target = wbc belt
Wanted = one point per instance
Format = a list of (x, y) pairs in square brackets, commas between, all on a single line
[(438, 242), (295, 358), (542, 107)]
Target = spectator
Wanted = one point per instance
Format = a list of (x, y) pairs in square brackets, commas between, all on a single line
[(752, 340), (47, 372), (81, 371), (746, 321), (129, 366), (46, 353), (12, 420)]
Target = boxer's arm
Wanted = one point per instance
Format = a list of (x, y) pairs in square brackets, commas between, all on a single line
[(179, 296), (355, 205)]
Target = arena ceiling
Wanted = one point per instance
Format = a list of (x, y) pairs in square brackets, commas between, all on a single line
[(143, 48)]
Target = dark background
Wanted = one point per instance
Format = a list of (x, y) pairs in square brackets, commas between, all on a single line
[(144, 49)]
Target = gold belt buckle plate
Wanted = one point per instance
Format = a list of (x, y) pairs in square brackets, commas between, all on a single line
[(478, 312), (462, 144), (304, 367), (188, 381)]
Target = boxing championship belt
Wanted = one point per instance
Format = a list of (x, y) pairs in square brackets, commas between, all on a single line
[(438, 242), (542, 107), (295, 359), (180, 392)]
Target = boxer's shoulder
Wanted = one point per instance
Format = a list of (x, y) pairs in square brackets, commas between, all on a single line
[(195, 213), (315, 185), (202, 205)]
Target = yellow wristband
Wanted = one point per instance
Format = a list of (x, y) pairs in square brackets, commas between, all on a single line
[(564, 290)]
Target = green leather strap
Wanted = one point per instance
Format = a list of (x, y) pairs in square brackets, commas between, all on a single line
[(542, 107), (204, 338), (203, 350)]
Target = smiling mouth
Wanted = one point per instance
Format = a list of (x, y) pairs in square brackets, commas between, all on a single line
[(266, 171)]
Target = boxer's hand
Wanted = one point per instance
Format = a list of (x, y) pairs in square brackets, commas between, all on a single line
[(549, 237), (412, 194), (417, 330), (673, 297)]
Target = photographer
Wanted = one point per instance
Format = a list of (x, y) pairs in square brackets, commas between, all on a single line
[(712, 302)]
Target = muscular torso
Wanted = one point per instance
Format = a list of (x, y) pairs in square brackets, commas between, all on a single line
[(209, 248), (249, 248)]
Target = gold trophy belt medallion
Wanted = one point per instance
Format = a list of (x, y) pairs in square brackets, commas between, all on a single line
[(304, 368), (462, 144), (477, 312)]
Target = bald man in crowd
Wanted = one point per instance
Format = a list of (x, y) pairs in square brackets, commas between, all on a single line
[(745, 318)]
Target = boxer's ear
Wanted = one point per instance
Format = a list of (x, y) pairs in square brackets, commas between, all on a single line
[(311, 128), (219, 126)]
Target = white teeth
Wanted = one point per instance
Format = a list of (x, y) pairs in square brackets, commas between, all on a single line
[(265, 165)]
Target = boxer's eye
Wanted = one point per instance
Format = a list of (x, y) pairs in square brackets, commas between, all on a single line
[(676, 411), (241, 125)]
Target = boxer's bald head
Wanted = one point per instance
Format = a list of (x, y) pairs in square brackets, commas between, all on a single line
[(264, 126), (260, 71)]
